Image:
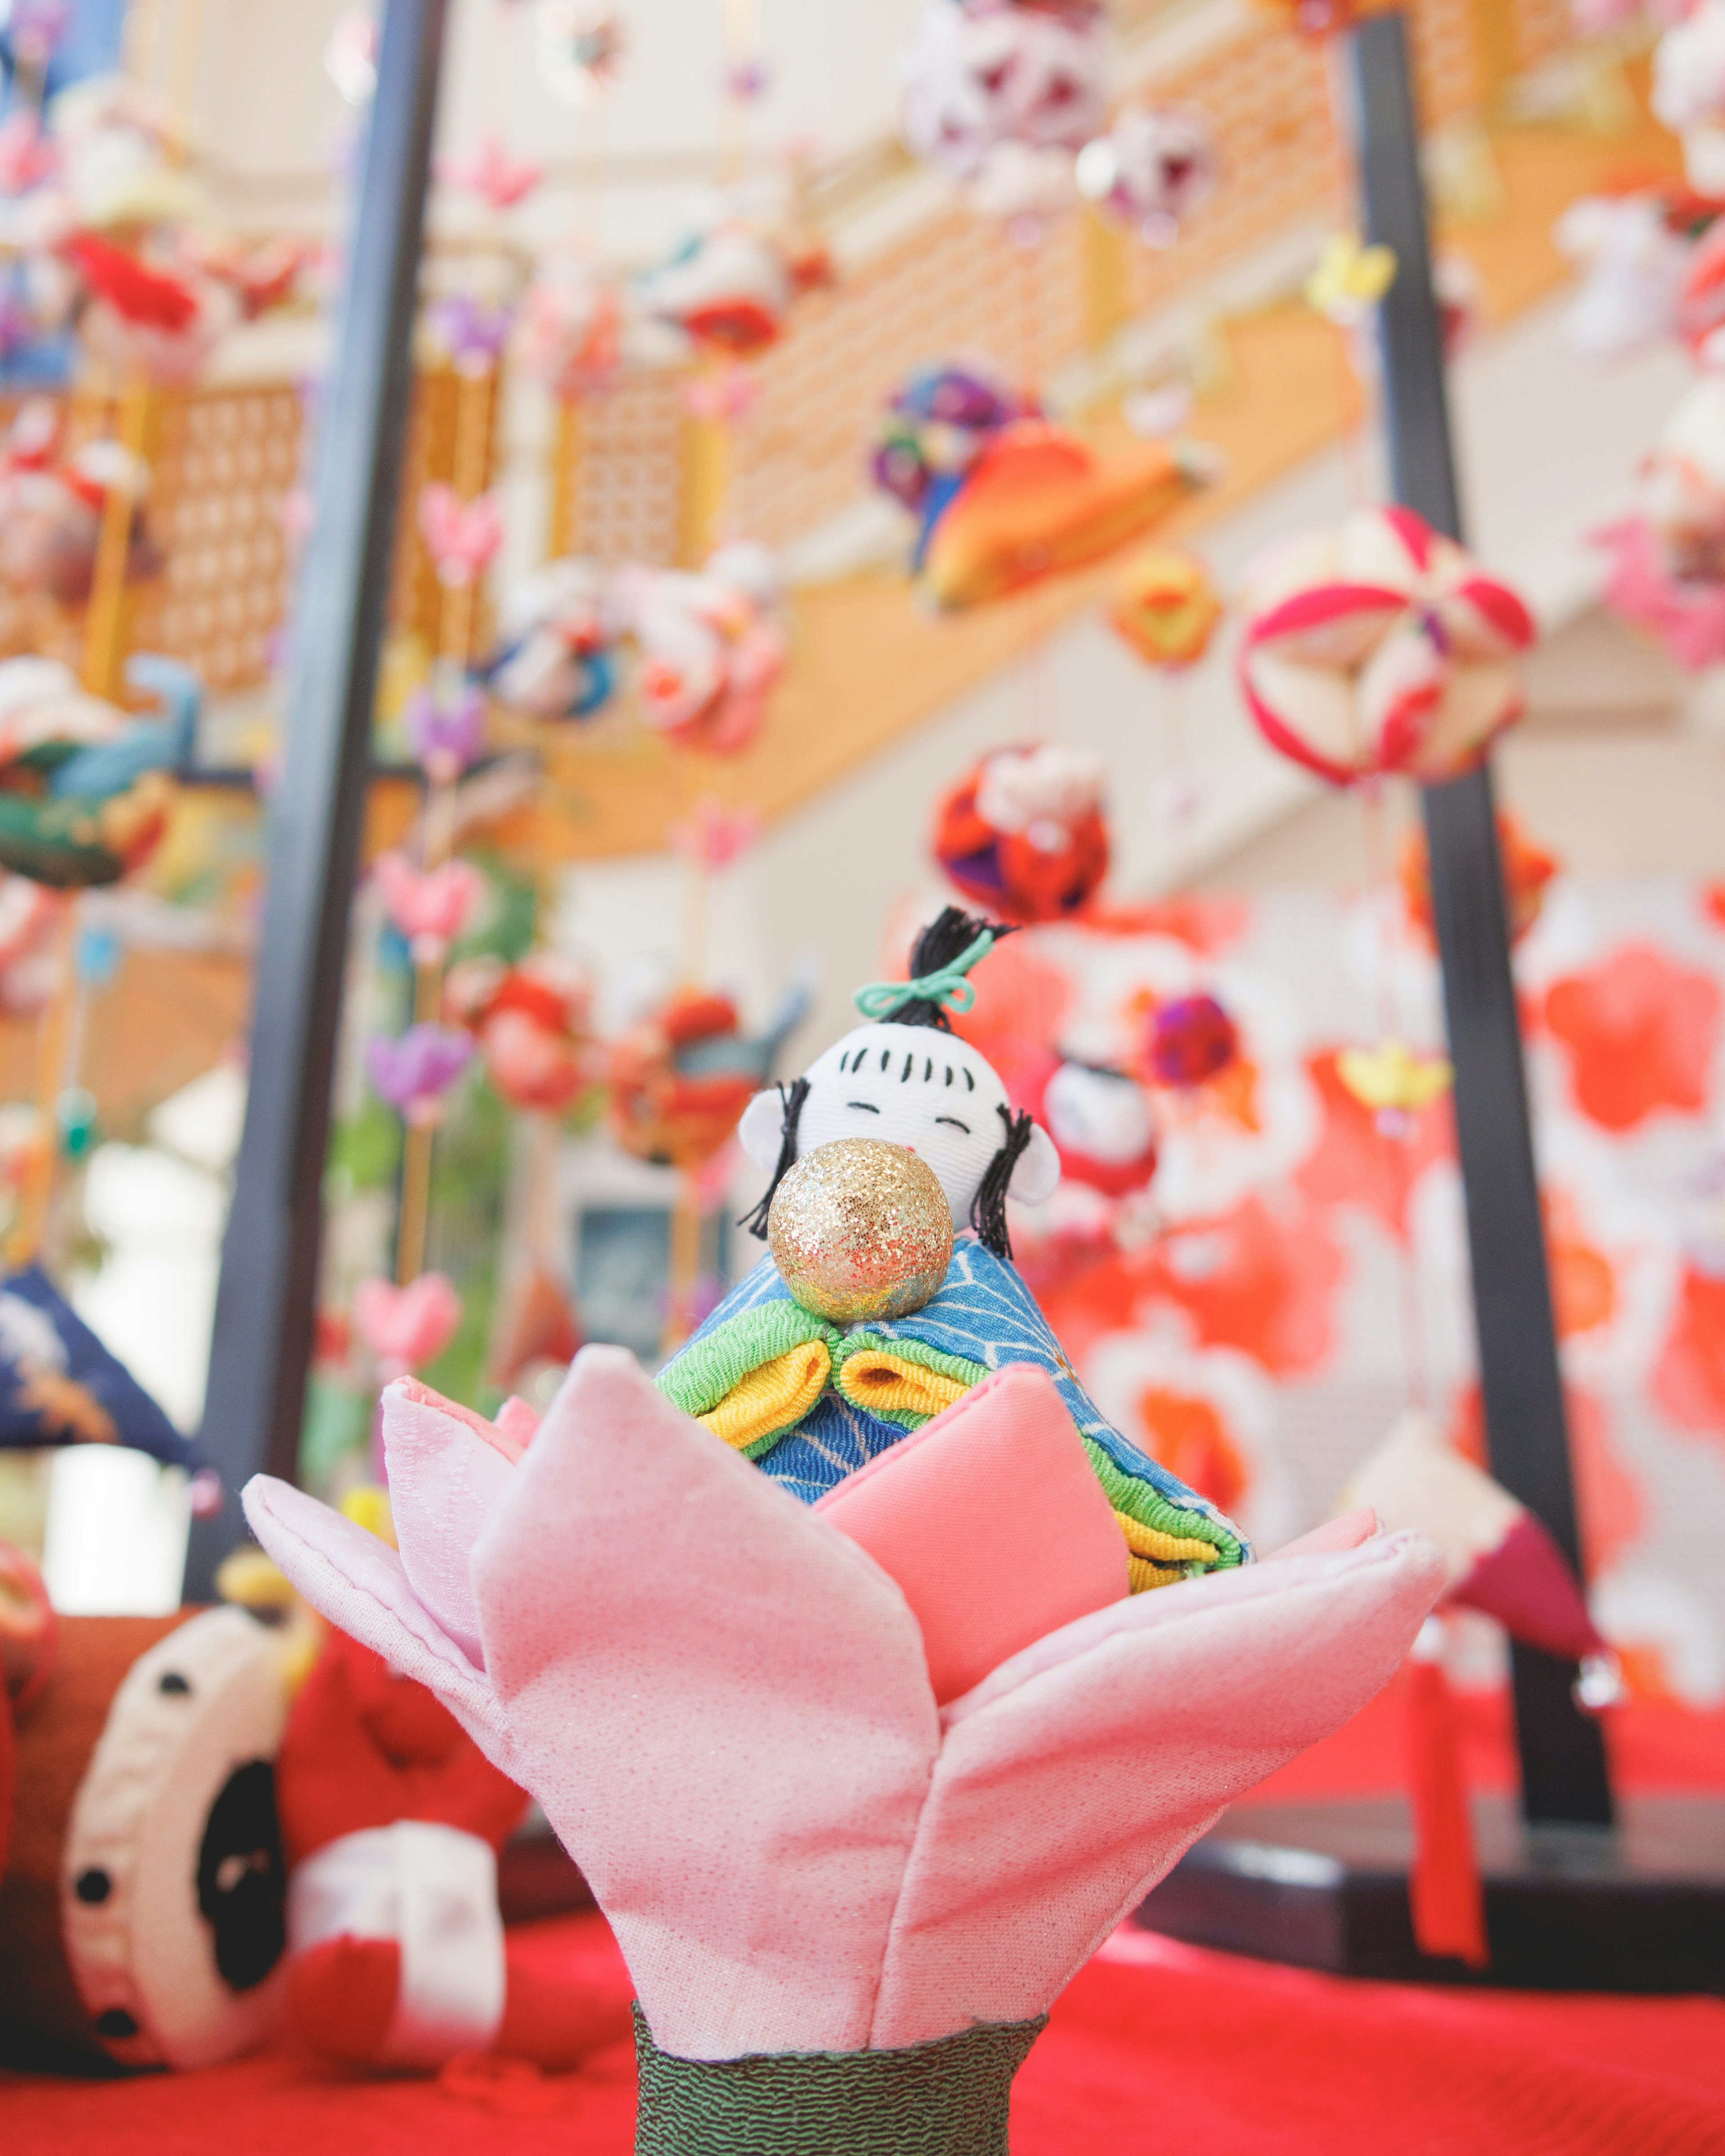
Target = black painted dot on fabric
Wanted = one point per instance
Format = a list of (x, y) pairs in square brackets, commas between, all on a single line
[(116, 2022), (93, 1885), (173, 1684)]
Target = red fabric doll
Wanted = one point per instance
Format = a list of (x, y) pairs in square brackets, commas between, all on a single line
[(391, 1819)]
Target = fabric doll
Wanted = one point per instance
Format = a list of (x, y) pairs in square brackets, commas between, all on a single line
[(810, 1401), (392, 1818)]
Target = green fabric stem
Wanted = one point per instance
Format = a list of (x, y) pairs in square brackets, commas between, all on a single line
[(948, 2098), (1141, 1501)]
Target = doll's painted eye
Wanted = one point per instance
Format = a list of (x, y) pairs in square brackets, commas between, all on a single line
[(955, 1122), (868, 1105)]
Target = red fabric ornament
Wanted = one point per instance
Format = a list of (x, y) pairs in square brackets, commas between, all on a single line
[(1444, 1890), (1051, 865), (1192, 1041)]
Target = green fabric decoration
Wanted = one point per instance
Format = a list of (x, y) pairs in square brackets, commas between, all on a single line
[(946, 985), (947, 2099), (958, 1368), (711, 1364), (1141, 1501)]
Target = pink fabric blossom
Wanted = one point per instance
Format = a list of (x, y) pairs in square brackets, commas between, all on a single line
[(430, 907), (499, 180), (714, 835), (723, 1703), (1687, 615), (463, 536), (405, 1327)]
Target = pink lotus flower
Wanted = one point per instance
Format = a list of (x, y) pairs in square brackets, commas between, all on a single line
[(714, 836), (462, 536), (725, 1701), (405, 1327), (430, 908), (497, 179), (1379, 647), (413, 1073)]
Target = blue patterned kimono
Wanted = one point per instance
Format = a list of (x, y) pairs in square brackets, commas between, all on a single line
[(982, 1318)]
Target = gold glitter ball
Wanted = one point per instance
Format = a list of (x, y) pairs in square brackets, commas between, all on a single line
[(860, 1228)]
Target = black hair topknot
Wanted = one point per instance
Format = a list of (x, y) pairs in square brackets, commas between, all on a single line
[(792, 1095), (987, 1209), (948, 937)]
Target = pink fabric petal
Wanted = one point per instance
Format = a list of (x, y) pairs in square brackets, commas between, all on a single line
[(1345, 1532), (1072, 1778), (446, 1478), (722, 1705), (361, 1586), (1052, 1552)]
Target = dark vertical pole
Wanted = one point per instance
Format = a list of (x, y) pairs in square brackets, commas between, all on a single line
[(1564, 1775), (264, 1300)]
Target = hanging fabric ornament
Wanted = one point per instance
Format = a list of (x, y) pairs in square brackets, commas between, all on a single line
[(729, 289), (405, 1327), (53, 501), (1378, 646), (1192, 1041), (682, 1078), (1527, 869), (1164, 605), (1632, 261), (1667, 570), (1394, 1082), (1103, 1126), (1038, 501), (1000, 98), (1153, 168), (1701, 303), (85, 787), (710, 646), (430, 908), (569, 333), (158, 319), (579, 46), (490, 172), (470, 335), (444, 734), (461, 536), (933, 432), (558, 631), (1688, 93), (533, 1023), (1023, 831), (413, 1073)]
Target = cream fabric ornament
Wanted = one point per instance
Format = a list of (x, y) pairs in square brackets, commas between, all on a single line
[(1379, 646)]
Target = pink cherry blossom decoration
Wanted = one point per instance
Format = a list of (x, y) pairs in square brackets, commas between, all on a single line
[(405, 1327), (499, 180), (462, 536), (431, 908), (714, 836)]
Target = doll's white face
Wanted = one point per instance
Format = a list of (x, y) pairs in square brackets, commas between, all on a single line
[(916, 1087)]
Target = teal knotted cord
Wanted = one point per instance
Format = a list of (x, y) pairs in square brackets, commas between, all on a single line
[(946, 988)]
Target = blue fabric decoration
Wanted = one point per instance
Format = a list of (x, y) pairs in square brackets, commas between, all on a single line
[(58, 1385), (984, 1313)]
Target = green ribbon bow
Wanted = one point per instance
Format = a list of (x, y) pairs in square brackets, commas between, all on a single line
[(947, 986)]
